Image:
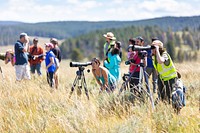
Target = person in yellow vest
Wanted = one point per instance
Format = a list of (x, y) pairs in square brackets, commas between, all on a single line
[(166, 70), (110, 41)]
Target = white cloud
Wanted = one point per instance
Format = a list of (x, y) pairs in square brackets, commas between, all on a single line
[(94, 10)]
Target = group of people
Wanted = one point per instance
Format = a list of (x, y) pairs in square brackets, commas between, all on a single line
[(157, 63), (27, 59)]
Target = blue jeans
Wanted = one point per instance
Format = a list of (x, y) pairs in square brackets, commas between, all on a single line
[(36, 67)]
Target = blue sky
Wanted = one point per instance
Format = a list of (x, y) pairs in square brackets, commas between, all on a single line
[(94, 10)]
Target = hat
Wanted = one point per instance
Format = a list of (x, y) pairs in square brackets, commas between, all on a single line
[(22, 35), (119, 44), (158, 43), (132, 40), (109, 35), (35, 39), (54, 41), (49, 45), (154, 38), (140, 38)]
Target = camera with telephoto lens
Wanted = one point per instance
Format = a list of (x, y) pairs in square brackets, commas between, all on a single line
[(79, 64), (128, 62), (141, 48)]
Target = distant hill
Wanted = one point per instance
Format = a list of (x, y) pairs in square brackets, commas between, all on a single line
[(3, 23), (67, 29)]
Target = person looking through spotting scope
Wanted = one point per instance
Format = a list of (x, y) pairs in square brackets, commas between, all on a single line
[(106, 81), (135, 60)]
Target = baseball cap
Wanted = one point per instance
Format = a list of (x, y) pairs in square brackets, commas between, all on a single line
[(23, 35), (140, 38), (49, 45)]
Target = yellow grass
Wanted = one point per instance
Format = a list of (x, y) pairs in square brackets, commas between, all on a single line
[(29, 106)]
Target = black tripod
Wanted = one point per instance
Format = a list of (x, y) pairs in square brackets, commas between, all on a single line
[(80, 80), (139, 87), (2, 72)]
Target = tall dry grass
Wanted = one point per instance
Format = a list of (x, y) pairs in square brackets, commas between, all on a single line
[(29, 106)]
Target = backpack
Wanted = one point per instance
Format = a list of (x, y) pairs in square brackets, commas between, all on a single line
[(57, 64)]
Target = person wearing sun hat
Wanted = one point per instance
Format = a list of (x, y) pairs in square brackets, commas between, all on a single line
[(110, 41), (166, 70)]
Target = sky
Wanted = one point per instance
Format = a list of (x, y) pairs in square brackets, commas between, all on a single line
[(33, 11)]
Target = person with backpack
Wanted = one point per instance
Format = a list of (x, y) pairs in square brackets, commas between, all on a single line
[(50, 64), (57, 53), (166, 70)]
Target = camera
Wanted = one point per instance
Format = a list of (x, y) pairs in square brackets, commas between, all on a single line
[(30, 57), (79, 64), (128, 62), (141, 48)]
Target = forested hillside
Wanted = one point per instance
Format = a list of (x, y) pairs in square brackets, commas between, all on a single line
[(182, 45), (67, 29)]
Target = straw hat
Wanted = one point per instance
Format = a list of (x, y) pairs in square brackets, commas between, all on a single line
[(109, 35)]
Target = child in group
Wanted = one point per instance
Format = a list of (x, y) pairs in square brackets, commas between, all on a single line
[(50, 64)]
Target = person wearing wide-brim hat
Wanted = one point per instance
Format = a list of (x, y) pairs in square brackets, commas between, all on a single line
[(166, 70), (110, 40)]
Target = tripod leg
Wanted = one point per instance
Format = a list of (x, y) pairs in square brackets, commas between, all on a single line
[(148, 89), (2, 72), (83, 82), (73, 86)]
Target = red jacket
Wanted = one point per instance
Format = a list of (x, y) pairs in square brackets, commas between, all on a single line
[(136, 58), (36, 51)]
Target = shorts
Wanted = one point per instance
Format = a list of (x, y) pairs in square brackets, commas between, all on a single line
[(22, 72)]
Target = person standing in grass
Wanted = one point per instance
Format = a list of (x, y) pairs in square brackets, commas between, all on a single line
[(114, 64), (36, 58), (50, 64), (21, 65), (166, 70)]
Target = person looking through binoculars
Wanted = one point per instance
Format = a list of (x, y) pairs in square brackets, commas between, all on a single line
[(7, 57), (167, 72), (113, 64), (103, 77), (21, 65)]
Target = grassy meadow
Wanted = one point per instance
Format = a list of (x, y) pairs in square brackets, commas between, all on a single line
[(30, 106)]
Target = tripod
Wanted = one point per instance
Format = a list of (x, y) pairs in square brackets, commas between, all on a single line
[(139, 87), (2, 72), (80, 80)]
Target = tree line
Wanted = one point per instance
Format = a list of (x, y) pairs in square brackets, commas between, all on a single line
[(181, 45)]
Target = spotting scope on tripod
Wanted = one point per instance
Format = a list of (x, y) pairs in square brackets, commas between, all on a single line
[(140, 90), (80, 81)]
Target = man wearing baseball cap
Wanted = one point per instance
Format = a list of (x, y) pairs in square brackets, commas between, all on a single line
[(21, 65), (166, 70)]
